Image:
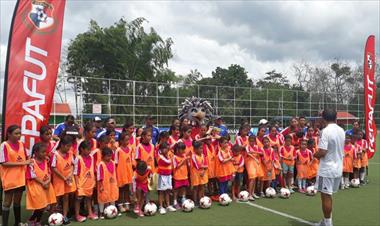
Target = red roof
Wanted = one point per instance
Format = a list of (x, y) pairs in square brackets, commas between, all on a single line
[(343, 115), (60, 109)]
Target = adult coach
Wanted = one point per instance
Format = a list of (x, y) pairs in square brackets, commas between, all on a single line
[(330, 154), (69, 121)]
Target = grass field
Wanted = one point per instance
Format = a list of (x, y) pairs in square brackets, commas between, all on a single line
[(351, 207)]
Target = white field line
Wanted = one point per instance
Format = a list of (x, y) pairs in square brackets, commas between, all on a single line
[(280, 213)]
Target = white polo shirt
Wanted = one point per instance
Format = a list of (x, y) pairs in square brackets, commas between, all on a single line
[(332, 140)]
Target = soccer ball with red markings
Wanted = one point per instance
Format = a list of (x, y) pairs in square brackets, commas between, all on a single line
[(55, 219), (110, 212), (188, 205), (311, 191), (205, 202), (284, 193), (355, 183), (224, 199), (150, 209), (243, 196), (270, 192)]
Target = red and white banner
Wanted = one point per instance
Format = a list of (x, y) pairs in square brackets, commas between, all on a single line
[(370, 94), (34, 50)]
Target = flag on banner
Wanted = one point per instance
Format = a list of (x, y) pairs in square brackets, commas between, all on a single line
[(370, 94), (34, 50)]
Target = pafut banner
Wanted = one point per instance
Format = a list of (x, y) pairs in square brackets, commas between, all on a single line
[(33, 56), (370, 94)]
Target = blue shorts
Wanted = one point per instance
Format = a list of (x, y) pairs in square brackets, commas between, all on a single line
[(286, 169), (238, 177)]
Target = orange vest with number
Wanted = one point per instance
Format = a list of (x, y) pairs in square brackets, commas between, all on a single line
[(86, 178), (65, 167), (226, 168), (14, 176), (124, 167), (195, 174), (237, 159), (268, 169), (38, 197), (302, 164), (348, 160), (110, 192)]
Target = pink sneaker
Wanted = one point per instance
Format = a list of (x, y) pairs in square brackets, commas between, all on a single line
[(136, 210), (302, 191), (141, 214), (93, 216), (80, 218)]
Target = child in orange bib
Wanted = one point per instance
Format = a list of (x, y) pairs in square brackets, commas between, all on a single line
[(145, 150), (39, 190), (45, 137), (364, 163), (141, 179), (304, 158), (103, 142), (180, 173), (62, 165), (267, 166), (348, 168), (224, 168), (124, 160), (198, 171), (108, 191), (89, 131), (288, 155), (187, 140), (314, 164), (84, 174), (238, 163), (252, 160), (209, 152)]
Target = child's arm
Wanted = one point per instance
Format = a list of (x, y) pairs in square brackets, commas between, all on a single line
[(58, 173), (13, 164)]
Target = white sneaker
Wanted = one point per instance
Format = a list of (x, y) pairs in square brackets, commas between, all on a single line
[(251, 198), (320, 223), (162, 210), (171, 209), (255, 196)]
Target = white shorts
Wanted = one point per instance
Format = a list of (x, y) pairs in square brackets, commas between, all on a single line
[(327, 185), (164, 183)]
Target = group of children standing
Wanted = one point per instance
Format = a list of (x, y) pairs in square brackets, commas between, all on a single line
[(90, 173)]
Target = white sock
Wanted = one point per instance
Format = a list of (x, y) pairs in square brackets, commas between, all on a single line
[(328, 221), (347, 181), (342, 182), (175, 202)]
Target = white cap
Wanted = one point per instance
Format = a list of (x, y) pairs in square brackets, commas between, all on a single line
[(263, 121), (97, 119)]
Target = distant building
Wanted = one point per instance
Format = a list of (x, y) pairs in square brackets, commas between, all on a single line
[(58, 113)]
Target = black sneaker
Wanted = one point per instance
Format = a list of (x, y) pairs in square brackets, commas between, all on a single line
[(66, 221)]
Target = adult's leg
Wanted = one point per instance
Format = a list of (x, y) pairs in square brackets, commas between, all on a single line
[(326, 205)]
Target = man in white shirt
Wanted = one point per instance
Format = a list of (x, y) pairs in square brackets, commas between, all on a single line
[(330, 154)]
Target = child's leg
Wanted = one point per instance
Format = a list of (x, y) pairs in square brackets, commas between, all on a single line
[(65, 205), (175, 197), (160, 198), (362, 174), (356, 173), (17, 196), (89, 205), (201, 191), (304, 183), (233, 188), (183, 194), (121, 196), (127, 196), (167, 197), (101, 209), (77, 204), (7, 202), (261, 186), (195, 192), (299, 180), (39, 214)]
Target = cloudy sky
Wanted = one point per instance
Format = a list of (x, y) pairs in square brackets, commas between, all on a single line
[(260, 36)]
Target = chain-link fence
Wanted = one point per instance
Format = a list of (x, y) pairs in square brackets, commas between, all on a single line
[(132, 100)]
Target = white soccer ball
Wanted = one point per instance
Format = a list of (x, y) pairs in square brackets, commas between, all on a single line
[(284, 193), (270, 192), (188, 205), (224, 199), (205, 202), (110, 212), (55, 219), (311, 191), (150, 209), (355, 183), (243, 196)]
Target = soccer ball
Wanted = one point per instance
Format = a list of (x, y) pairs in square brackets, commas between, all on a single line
[(110, 212), (355, 183), (243, 196), (284, 193), (224, 199), (311, 191), (205, 202), (55, 219), (150, 209), (270, 192), (188, 205)]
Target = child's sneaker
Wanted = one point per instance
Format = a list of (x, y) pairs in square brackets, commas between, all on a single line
[(66, 221), (140, 214), (101, 217), (255, 196), (136, 210), (93, 216), (80, 218), (251, 198), (162, 210), (291, 190), (171, 209), (177, 206), (262, 195), (302, 191), (126, 207), (122, 209), (30, 223)]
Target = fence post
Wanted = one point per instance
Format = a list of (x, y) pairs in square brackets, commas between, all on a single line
[(296, 103), (157, 122), (81, 101), (198, 91), (216, 100), (250, 106), (310, 96), (282, 108), (134, 102), (234, 107), (109, 97), (267, 104)]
